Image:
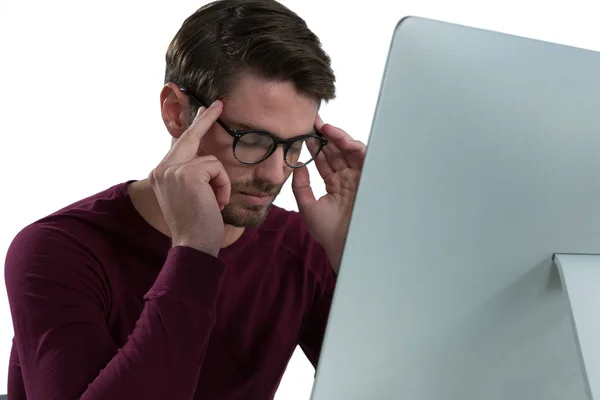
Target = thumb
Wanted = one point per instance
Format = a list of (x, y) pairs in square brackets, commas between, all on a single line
[(301, 188)]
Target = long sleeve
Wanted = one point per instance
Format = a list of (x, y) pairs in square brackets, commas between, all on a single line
[(59, 299)]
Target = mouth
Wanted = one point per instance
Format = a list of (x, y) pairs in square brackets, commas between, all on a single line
[(257, 199)]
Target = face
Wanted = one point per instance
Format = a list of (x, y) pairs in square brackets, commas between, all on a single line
[(275, 107)]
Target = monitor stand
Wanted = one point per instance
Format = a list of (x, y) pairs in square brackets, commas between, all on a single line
[(580, 278)]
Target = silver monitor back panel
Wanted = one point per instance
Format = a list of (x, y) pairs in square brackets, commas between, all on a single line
[(483, 161)]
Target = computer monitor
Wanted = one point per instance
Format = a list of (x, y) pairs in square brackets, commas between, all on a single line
[(483, 163)]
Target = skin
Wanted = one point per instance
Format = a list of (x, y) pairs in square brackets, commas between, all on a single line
[(278, 108)]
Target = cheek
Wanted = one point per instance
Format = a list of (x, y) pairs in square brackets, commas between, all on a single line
[(216, 145), (220, 146), (236, 174)]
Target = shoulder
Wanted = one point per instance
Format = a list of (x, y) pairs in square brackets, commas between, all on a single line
[(77, 225), (57, 234), (71, 230), (61, 248), (47, 260)]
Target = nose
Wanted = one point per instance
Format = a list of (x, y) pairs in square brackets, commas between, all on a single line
[(274, 169)]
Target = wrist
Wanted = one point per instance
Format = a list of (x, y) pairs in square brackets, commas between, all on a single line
[(334, 254), (210, 249)]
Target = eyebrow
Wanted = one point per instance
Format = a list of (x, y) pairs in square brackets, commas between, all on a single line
[(244, 126), (235, 125)]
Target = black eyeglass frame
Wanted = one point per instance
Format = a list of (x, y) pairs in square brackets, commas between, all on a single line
[(237, 134)]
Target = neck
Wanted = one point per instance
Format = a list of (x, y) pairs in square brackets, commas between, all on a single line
[(232, 234), (144, 200)]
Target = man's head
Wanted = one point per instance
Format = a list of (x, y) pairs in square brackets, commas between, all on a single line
[(271, 73)]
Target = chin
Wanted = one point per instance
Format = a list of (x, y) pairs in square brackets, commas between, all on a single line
[(245, 216)]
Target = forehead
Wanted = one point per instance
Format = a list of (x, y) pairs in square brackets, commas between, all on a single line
[(274, 106)]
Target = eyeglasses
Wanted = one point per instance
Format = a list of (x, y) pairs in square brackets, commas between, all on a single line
[(252, 146)]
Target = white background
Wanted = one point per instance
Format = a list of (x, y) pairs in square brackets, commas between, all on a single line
[(79, 105)]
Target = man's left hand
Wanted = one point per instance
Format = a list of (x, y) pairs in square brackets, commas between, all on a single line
[(340, 165)]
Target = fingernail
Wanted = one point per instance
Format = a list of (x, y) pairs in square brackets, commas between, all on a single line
[(215, 103)]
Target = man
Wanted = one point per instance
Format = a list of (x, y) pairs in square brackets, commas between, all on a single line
[(190, 284)]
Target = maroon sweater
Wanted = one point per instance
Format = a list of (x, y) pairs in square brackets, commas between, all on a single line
[(104, 308)]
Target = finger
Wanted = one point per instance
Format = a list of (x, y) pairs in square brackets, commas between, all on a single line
[(186, 147), (301, 187), (334, 133), (354, 151), (319, 123), (211, 171), (335, 158), (221, 186), (320, 160)]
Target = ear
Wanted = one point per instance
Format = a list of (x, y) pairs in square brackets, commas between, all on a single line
[(175, 109)]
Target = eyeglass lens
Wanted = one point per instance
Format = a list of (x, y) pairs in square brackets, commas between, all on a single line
[(254, 147)]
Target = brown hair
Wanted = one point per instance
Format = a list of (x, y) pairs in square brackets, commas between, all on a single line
[(226, 38)]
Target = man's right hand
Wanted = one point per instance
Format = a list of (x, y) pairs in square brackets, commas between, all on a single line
[(192, 190)]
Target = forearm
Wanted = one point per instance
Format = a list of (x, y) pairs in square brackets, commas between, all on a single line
[(164, 354), (65, 348)]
